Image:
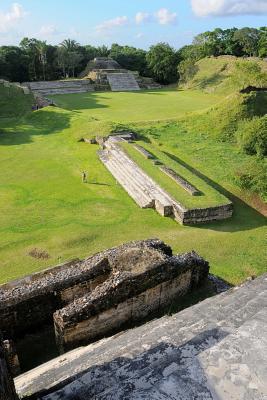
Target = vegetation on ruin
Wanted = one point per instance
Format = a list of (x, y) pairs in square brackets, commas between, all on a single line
[(209, 197)]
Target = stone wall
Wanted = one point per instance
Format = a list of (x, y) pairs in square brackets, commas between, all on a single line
[(129, 295), (30, 302), (202, 215), (99, 295), (7, 388)]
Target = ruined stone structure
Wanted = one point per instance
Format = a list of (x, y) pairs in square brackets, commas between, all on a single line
[(213, 350), (148, 194), (7, 387), (181, 181), (107, 74), (24, 88), (45, 88), (92, 298)]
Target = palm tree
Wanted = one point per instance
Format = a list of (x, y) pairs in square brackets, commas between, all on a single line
[(70, 45), (70, 55), (41, 47)]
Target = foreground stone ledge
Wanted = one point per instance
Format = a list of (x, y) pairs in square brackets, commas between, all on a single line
[(29, 302), (129, 296), (7, 387), (214, 349)]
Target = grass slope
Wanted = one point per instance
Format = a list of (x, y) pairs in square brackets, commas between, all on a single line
[(44, 205), (13, 102), (214, 74)]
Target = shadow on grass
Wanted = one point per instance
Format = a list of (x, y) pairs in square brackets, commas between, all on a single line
[(42, 122), (99, 183), (215, 79), (244, 217), (80, 101)]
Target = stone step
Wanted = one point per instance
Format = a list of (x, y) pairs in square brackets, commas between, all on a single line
[(45, 92), (212, 350), (122, 82), (131, 186), (162, 201)]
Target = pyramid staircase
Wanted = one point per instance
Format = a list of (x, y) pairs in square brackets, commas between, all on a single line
[(122, 82)]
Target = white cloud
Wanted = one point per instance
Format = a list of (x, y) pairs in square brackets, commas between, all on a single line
[(204, 8), (165, 17), (142, 17), (48, 30), (10, 18), (112, 23)]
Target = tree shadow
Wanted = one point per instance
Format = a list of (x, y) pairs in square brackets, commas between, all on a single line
[(164, 371), (244, 217), (81, 101), (42, 122), (214, 79)]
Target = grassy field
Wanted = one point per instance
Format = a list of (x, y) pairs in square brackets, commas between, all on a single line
[(136, 106), (44, 204)]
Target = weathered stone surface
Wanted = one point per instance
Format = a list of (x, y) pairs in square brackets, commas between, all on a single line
[(181, 181), (45, 88), (143, 151), (148, 281), (7, 388), (11, 357), (213, 350), (122, 82), (31, 301)]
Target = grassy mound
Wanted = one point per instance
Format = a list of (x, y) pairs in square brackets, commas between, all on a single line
[(13, 102), (221, 121), (221, 74)]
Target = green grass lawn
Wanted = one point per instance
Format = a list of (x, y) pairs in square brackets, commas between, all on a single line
[(136, 106), (44, 204)]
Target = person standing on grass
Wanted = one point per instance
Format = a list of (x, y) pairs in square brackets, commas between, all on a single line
[(84, 177)]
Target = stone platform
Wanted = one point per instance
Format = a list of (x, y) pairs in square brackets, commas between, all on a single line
[(215, 350), (45, 88), (148, 194)]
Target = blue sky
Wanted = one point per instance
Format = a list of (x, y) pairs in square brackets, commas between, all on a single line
[(135, 22)]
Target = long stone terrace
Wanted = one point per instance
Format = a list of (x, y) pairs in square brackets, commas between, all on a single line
[(147, 193)]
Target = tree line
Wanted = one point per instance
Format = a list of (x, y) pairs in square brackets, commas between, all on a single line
[(35, 60)]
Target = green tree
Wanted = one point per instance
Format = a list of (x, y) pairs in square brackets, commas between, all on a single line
[(69, 56), (130, 58), (262, 44), (162, 60), (248, 38), (41, 47)]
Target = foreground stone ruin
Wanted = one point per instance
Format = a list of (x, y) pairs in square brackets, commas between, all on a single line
[(148, 194), (102, 294), (7, 387), (212, 350)]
